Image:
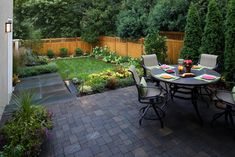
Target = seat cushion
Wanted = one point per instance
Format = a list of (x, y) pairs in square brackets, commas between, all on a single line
[(151, 67), (153, 92), (143, 87), (224, 96)]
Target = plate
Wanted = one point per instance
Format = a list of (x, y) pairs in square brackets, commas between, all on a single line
[(208, 77), (166, 76), (165, 66), (196, 67)]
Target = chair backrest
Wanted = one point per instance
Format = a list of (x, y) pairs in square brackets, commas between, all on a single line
[(208, 60), (150, 60), (135, 75)]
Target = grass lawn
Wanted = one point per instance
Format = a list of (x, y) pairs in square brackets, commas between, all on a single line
[(81, 67)]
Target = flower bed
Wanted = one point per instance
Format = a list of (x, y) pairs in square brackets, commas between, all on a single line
[(24, 133)]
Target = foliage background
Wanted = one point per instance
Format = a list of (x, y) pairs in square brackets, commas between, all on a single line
[(130, 19)]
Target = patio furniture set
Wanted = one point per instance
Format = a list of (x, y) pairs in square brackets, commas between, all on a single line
[(173, 81)]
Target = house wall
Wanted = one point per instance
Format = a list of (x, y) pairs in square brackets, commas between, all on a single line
[(6, 12)]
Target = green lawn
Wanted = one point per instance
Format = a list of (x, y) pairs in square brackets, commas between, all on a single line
[(81, 67)]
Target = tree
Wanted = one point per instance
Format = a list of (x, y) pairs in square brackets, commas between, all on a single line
[(156, 44), (193, 34), (229, 54), (131, 21), (213, 36), (99, 19), (169, 15)]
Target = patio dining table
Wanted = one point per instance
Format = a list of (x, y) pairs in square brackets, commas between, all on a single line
[(189, 88)]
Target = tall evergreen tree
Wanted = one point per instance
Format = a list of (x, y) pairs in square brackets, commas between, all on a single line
[(213, 36), (193, 34), (229, 56)]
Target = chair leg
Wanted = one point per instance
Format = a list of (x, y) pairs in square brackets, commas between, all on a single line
[(144, 113), (158, 115)]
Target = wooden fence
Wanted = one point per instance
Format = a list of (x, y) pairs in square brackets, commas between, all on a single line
[(121, 47)]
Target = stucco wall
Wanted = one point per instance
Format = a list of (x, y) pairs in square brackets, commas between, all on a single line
[(6, 12)]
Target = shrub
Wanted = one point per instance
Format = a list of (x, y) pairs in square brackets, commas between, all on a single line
[(126, 82), (78, 52), (63, 52), (42, 60), (213, 37), (229, 54), (25, 131), (156, 44), (36, 70), (112, 83), (50, 53), (193, 34)]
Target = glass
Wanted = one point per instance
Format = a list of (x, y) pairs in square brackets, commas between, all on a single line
[(180, 61), (180, 65)]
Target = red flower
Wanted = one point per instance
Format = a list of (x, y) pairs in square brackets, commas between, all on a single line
[(188, 61)]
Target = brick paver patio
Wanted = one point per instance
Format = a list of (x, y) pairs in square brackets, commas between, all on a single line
[(107, 125)]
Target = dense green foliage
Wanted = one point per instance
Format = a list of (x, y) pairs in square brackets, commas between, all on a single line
[(99, 19), (193, 34), (213, 36), (229, 61), (36, 70), (169, 15), (24, 133), (156, 44), (131, 20)]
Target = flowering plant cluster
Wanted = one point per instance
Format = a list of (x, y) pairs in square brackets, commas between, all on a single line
[(188, 63)]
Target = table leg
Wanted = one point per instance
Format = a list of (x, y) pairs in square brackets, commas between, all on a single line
[(194, 102)]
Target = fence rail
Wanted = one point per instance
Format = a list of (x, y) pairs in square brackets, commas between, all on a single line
[(121, 47)]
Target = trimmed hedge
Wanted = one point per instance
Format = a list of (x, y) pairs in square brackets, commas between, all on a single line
[(36, 70)]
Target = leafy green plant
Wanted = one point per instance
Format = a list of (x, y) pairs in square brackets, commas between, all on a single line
[(26, 130), (213, 36), (50, 53), (63, 52), (193, 34), (156, 44), (100, 51), (78, 52), (36, 70), (229, 54)]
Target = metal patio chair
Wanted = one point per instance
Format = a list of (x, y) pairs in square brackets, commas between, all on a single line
[(152, 96), (225, 101), (149, 62), (209, 61)]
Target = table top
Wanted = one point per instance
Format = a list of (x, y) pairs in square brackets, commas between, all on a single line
[(190, 81)]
